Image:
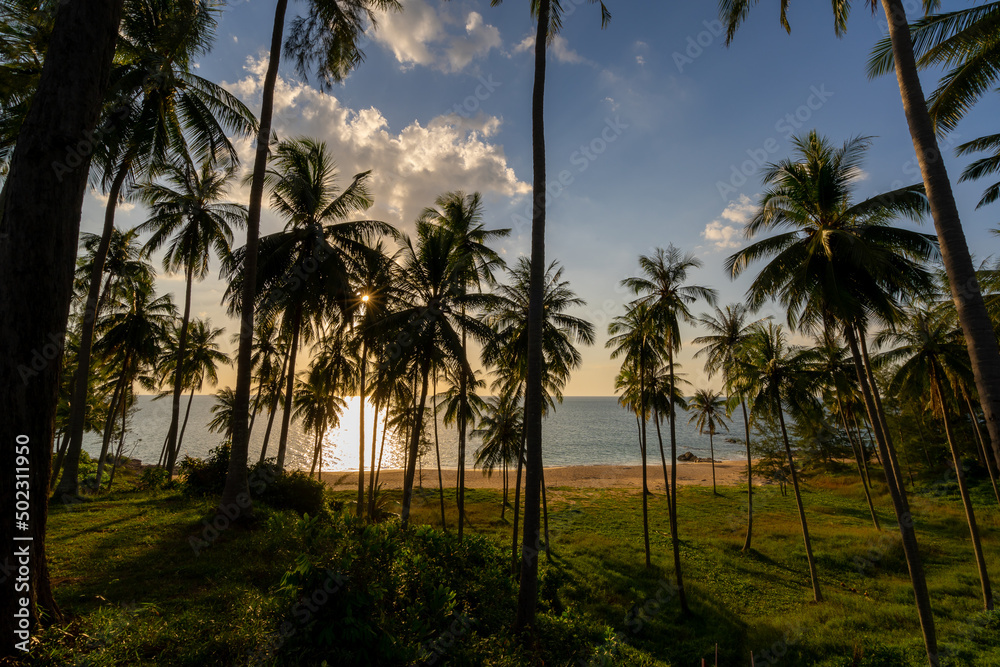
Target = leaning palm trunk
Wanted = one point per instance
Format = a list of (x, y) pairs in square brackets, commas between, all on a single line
[(981, 448), (371, 468), (675, 540), (173, 445), (361, 427), (857, 458), (116, 398), (411, 462), (880, 424), (641, 417), (517, 504), (545, 517), (901, 507), (663, 460), (463, 402), (286, 415), (746, 426), (963, 489), (274, 408), (817, 595), (980, 337), (237, 483), (70, 483), (437, 453), (187, 413), (121, 446), (527, 595)]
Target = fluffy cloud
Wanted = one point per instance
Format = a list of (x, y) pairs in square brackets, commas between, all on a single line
[(559, 49), (724, 236), (410, 167), (442, 38)]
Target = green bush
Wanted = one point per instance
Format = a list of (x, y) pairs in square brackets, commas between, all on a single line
[(152, 478), (88, 471), (295, 491), (206, 477)]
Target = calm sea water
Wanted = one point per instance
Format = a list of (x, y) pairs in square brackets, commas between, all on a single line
[(582, 431)]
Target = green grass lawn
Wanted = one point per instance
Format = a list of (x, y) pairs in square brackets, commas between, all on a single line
[(135, 591)]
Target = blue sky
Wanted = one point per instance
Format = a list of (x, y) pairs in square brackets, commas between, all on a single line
[(657, 128)]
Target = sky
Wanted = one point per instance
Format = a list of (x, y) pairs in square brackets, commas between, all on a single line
[(656, 132)]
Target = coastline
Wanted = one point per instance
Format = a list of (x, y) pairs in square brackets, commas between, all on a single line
[(727, 473)]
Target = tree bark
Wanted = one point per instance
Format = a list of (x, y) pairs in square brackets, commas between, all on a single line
[(663, 460), (517, 505), (463, 404), (286, 415), (857, 458), (175, 402), (187, 413), (39, 227), (411, 462), (237, 483), (980, 337), (109, 424), (437, 453), (274, 407), (641, 417), (527, 595), (361, 439), (746, 425), (675, 540), (981, 448), (817, 595)]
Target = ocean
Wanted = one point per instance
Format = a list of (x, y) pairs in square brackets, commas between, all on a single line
[(583, 430)]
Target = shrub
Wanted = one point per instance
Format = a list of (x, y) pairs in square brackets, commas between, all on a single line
[(152, 478), (295, 491), (208, 476)]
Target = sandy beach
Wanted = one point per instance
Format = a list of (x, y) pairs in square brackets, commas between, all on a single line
[(727, 473)]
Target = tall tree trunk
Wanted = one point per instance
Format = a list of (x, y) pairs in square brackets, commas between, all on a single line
[(312, 467), (675, 540), (237, 484), (963, 489), (981, 448), (663, 460), (254, 411), (527, 595), (437, 453), (517, 505), (187, 413), (274, 407), (39, 226), (361, 427), (286, 415), (503, 505), (817, 595), (121, 444), (880, 423), (901, 507), (463, 404), (857, 458), (175, 403), (980, 337), (746, 425), (711, 453), (371, 468), (59, 456), (378, 469), (545, 517), (116, 398), (642, 442), (69, 484), (411, 462)]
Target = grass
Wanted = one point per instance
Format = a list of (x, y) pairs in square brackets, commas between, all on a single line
[(125, 571)]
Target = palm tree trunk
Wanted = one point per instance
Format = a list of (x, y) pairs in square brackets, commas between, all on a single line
[(963, 489), (69, 483), (187, 413), (175, 402), (254, 410), (711, 453), (312, 468), (880, 423), (411, 463), (286, 415), (981, 448), (116, 398), (121, 444), (663, 460), (322, 434), (527, 595), (856, 431), (545, 516), (857, 458), (817, 595), (39, 230), (371, 468), (274, 407), (463, 403), (902, 509), (675, 540), (871, 439), (980, 337), (437, 453), (237, 483), (746, 425), (361, 428), (517, 504), (641, 416), (503, 505), (59, 456), (378, 469)]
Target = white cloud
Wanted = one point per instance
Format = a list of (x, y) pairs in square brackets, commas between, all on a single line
[(123, 206), (410, 167), (421, 36), (640, 60), (559, 49), (725, 236)]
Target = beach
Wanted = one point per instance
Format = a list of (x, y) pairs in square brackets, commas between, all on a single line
[(727, 473)]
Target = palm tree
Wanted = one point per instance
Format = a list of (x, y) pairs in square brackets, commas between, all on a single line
[(43, 202), (728, 332), (201, 363), (162, 108), (222, 422), (462, 215), (305, 271), (773, 375), (709, 413), (930, 356), (500, 427), (318, 407), (330, 38), (636, 337), (662, 288), (187, 217), (965, 292), (841, 263)]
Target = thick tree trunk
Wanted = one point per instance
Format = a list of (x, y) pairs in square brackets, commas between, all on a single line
[(69, 483), (963, 489), (980, 337), (175, 402), (746, 425), (817, 595), (902, 509), (237, 485), (39, 226), (286, 415), (361, 428), (411, 462), (527, 595), (674, 539)]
